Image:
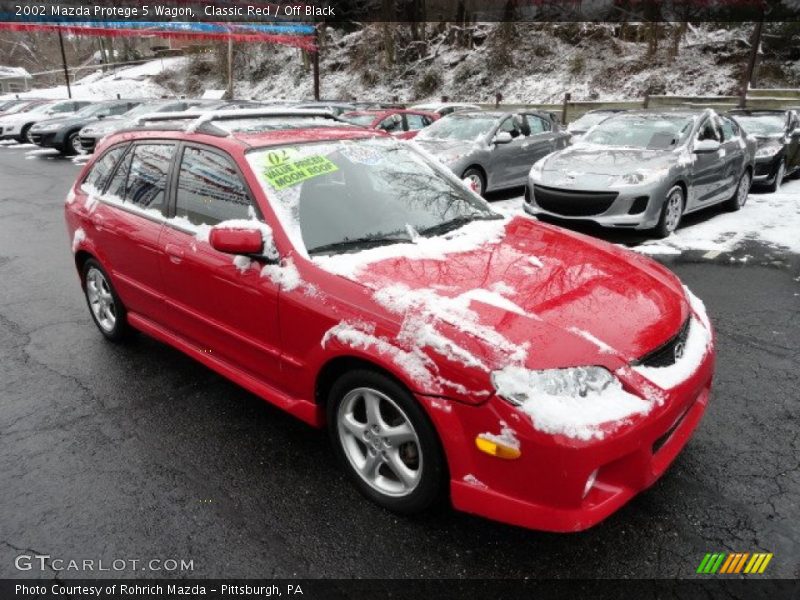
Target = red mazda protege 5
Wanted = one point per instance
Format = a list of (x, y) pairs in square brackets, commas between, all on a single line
[(539, 376)]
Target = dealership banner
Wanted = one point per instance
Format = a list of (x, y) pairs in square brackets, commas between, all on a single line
[(315, 11)]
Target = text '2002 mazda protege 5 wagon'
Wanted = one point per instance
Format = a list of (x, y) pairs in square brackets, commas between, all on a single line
[(538, 376)]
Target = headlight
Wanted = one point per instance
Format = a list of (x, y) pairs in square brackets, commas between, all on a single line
[(516, 385), (639, 177), (768, 151)]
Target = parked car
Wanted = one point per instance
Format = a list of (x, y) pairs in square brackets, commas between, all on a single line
[(401, 123), (62, 133), (589, 119), (645, 170), (16, 106), (540, 377), (777, 134), (16, 125), (493, 150), (444, 108), (96, 130)]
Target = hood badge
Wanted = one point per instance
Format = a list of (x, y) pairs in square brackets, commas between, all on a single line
[(680, 348)]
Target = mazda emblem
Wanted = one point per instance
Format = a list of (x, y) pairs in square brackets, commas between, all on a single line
[(680, 348)]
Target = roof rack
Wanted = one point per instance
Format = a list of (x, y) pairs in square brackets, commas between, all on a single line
[(203, 120)]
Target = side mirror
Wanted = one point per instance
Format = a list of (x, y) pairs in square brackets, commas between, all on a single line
[(236, 241), (502, 137), (706, 146)]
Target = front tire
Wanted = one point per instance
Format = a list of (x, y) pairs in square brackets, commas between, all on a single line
[(739, 197), (475, 179), (385, 442), (780, 174), (72, 145), (671, 212), (107, 310), (23, 133)]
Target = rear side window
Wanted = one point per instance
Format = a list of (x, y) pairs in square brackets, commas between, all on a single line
[(147, 180), (537, 124), (210, 189), (98, 176), (416, 122), (729, 129)]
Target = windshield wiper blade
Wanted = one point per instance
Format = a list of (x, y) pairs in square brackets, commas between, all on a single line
[(453, 224), (359, 244)]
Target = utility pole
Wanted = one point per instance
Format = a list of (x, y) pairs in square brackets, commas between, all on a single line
[(315, 63), (755, 44), (64, 63), (230, 68)]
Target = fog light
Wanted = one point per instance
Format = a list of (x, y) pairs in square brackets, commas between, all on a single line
[(590, 483), (496, 448)]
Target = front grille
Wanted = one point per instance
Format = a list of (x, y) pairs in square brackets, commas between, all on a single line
[(664, 355), (572, 203), (763, 169), (87, 143)]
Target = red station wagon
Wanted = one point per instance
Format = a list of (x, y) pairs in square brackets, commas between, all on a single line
[(538, 376)]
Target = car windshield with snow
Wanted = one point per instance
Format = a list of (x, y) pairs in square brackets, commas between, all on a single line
[(493, 150), (644, 170), (536, 376)]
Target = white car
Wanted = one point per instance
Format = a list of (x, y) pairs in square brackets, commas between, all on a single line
[(444, 108), (16, 125)]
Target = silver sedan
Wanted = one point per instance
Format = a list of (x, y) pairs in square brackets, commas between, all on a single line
[(492, 150), (645, 170)]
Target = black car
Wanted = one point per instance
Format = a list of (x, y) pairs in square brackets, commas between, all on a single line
[(62, 133), (777, 133)]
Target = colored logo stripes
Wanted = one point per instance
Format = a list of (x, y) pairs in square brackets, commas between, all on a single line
[(736, 562)]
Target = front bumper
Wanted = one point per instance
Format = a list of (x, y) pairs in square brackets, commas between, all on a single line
[(47, 139), (766, 169), (544, 488), (634, 207)]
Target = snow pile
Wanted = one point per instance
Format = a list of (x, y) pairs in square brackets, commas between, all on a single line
[(242, 263), (465, 239), (423, 310), (559, 406), (80, 236), (285, 276), (697, 345)]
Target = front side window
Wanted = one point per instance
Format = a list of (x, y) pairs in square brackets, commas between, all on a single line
[(729, 129), (342, 196), (537, 124), (98, 175), (510, 125), (709, 131), (392, 124), (210, 189), (415, 122), (146, 183)]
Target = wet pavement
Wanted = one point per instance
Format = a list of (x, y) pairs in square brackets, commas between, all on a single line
[(137, 452)]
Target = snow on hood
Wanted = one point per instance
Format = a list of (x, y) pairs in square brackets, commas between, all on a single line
[(476, 298), (592, 159)]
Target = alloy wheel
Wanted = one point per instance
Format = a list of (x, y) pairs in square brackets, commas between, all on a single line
[(380, 442), (674, 210), (76, 144), (474, 182), (101, 300)]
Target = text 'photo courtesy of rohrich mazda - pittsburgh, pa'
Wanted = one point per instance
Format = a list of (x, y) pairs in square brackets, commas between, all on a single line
[(534, 279)]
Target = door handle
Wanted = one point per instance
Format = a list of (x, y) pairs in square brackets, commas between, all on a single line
[(175, 253)]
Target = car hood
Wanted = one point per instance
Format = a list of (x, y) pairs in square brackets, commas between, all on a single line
[(535, 295), (604, 160), (447, 150), (768, 140)]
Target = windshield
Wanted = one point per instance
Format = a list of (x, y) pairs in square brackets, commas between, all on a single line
[(588, 121), (343, 196), (459, 127), (364, 120), (761, 124), (143, 109), (653, 132)]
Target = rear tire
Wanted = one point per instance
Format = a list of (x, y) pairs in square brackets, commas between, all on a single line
[(71, 144), (23, 133), (671, 212), (385, 442), (107, 310), (739, 198)]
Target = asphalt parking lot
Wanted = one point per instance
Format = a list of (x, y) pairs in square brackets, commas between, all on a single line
[(138, 452)]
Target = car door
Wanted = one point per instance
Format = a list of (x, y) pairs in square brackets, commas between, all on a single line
[(542, 140), (508, 164), (128, 218), (707, 168), (217, 301), (733, 155), (793, 142)]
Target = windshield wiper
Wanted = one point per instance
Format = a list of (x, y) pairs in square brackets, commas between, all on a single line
[(359, 244), (454, 224)]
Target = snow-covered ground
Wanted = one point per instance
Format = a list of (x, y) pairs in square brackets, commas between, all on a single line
[(772, 219), (129, 82)]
